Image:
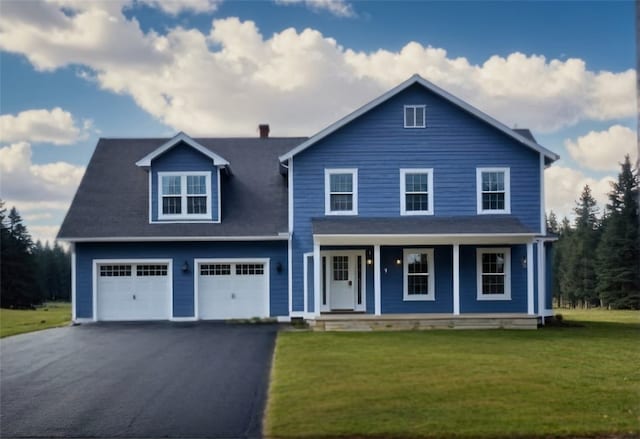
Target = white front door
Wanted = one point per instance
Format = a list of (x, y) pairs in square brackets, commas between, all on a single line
[(344, 280)]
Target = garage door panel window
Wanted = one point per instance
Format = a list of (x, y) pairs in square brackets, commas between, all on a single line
[(215, 270), (244, 269), (115, 270), (151, 270)]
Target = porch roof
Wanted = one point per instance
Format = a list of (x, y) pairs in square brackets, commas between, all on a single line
[(489, 229)]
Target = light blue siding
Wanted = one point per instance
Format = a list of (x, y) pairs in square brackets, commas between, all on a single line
[(179, 252), (183, 158), (454, 144)]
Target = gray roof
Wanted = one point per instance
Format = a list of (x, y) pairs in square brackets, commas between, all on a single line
[(112, 200), (422, 225), (526, 133)]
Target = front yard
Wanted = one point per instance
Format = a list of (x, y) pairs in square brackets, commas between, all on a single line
[(18, 321), (557, 381)]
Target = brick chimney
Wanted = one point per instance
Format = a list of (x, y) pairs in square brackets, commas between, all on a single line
[(264, 130)]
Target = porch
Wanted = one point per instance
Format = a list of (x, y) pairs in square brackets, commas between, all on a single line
[(410, 322)]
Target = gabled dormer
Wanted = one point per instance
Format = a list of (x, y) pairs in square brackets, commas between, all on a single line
[(184, 181)]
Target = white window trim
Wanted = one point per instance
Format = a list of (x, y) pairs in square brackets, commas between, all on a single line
[(507, 273), (183, 195), (403, 193), (424, 116), (405, 273), (507, 191), (327, 191)]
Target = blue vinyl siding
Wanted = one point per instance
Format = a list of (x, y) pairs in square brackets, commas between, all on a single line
[(454, 144), (468, 283), (183, 158), (392, 283), (179, 252)]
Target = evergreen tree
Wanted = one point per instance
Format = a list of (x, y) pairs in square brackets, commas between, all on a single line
[(560, 266), (579, 276), (618, 255), (18, 287), (552, 223)]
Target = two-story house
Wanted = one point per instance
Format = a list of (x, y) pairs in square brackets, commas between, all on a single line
[(415, 206)]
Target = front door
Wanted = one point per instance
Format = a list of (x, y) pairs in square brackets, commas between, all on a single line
[(342, 282)]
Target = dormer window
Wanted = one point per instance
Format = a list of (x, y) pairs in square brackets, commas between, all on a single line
[(415, 116), (184, 195)]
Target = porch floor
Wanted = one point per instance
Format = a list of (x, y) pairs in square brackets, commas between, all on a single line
[(407, 322)]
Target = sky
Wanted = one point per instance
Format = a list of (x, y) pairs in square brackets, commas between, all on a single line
[(72, 71)]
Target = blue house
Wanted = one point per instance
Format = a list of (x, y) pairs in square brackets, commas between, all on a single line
[(415, 208)]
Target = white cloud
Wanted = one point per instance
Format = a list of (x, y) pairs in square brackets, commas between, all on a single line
[(43, 233), (229, 80), (604, 150), (175, 7), (339, 8), (47, 126), (36, 186), (563, 187)]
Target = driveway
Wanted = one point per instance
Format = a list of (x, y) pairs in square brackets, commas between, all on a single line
[(144, 380)]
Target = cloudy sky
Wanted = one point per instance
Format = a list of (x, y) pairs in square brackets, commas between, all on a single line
[(73, 71)]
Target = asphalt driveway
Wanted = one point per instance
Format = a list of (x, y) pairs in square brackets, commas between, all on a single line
[(136, 380)]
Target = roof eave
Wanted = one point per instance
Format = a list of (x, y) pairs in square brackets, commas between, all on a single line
[(145, 162)]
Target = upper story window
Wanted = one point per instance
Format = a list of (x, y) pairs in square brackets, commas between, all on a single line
[(494, 273), (184, 195), (419, 283), (415, 116), (493, 190), (341, 191), (416, 191)]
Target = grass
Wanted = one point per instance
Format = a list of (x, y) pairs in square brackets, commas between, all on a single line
[(18, 321), (581, 380)]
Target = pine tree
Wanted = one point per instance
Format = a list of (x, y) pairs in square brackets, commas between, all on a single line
[(552, 223), (579, 276), (618, 255), (560, 266), (18, 287)]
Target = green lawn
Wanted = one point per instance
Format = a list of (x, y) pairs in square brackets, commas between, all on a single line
[(13, 321), (557, 381)]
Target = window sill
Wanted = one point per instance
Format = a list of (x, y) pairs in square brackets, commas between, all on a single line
[(341, 212), (497, 297), (416, 213), (494, 212), (419, 298)]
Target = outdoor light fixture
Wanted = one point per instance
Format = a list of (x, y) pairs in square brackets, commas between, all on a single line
[(279, 267), (398, 261), (185, 267), (369, 258), (524, 262)]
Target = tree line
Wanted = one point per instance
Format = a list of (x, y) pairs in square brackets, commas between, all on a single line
[(597, 258), (30, 273)]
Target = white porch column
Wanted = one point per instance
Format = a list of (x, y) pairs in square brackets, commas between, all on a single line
[(530, 298), (376, 280), (542, 287), (73, 282), (456, 279), (317, 273)]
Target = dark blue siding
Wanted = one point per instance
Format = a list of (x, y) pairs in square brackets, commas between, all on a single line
[(183, 158), (180, 252), (468, 291), (454, 144), (310, 284), (392, 283)]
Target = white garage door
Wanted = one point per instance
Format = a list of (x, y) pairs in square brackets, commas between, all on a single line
[(233, 290), (133, 291)]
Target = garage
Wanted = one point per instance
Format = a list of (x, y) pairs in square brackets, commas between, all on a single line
[(139, 290), (232, 289)]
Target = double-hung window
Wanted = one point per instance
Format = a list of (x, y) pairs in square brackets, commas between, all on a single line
[(419, 283), (184, 195), (493, 190), (415, 116), (416, 191), (341, 191), (493, 273)]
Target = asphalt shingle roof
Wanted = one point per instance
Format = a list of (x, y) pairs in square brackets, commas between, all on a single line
[(112, 200), (423, 225)]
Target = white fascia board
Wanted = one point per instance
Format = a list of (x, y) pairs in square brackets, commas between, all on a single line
[(417, 239), (181, 137), (279, 237), (433, 88)]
